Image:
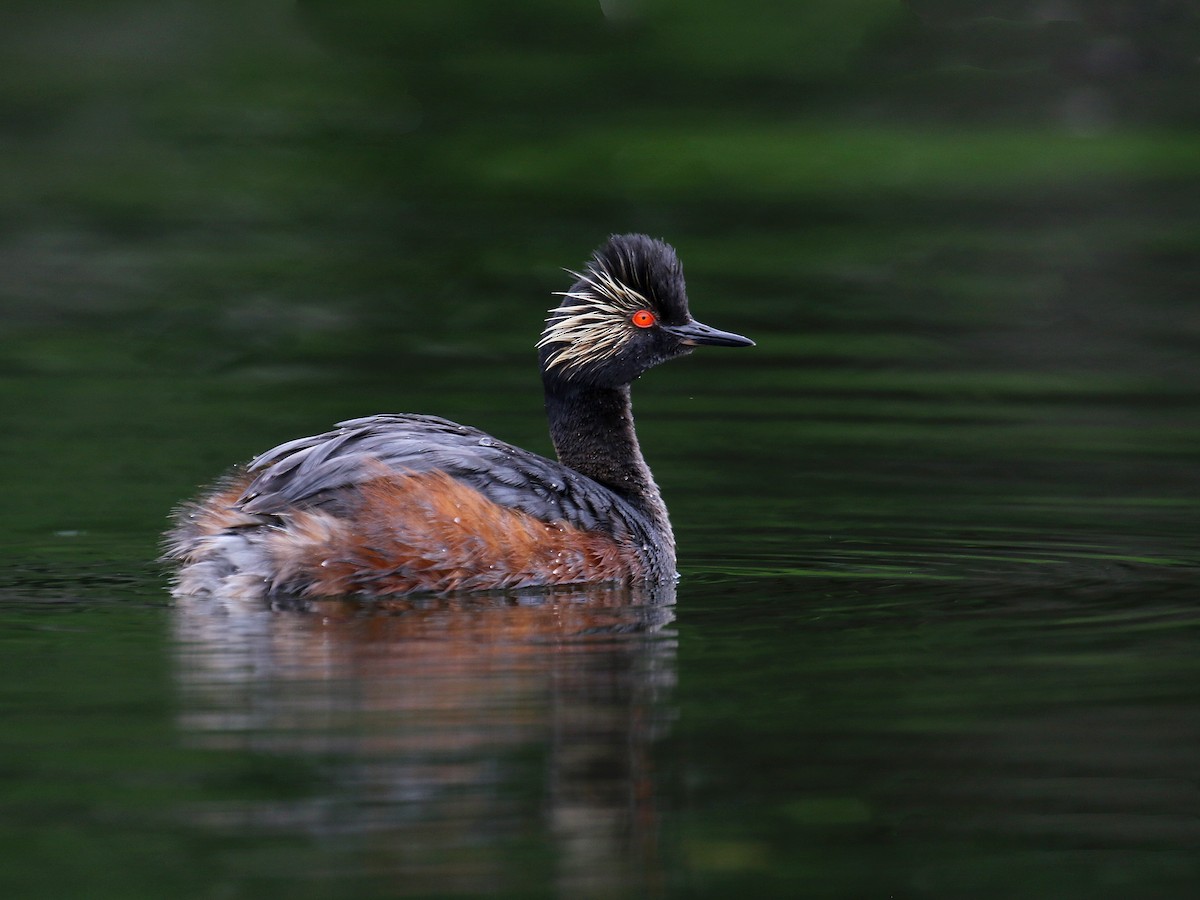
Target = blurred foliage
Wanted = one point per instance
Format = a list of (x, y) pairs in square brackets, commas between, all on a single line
[(295, 192), (1087, 66)]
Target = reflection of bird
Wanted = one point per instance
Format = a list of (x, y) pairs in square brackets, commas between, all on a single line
[(439, 730), (399, 503)]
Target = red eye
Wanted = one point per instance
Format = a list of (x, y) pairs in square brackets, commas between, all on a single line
[(643, 318)]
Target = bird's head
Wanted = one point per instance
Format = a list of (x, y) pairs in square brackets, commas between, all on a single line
[(626, 313)]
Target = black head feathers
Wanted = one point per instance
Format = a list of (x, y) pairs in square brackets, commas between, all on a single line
[(626, 312)]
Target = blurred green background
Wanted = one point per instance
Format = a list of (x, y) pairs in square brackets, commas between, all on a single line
[(202, 201)]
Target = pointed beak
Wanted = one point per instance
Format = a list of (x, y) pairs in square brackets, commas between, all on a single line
[(694, 333)]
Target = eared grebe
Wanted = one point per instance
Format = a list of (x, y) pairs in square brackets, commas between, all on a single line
[(393, 504)]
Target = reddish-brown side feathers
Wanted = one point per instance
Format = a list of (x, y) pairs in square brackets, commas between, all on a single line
[(430, 532), (406, 533)]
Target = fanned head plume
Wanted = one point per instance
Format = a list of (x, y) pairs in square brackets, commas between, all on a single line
[(610, 325), (589, 327)]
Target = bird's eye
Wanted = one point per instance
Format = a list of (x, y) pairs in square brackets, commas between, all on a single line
[(643, 318)]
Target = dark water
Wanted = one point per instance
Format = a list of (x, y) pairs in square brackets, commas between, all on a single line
[(937, 632)]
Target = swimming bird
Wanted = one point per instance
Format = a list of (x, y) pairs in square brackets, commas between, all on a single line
[(402, 503)]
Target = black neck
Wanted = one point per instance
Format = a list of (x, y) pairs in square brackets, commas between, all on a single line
[(592, 430)]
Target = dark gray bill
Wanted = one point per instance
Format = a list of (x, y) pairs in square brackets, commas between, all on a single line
[(694, 333)]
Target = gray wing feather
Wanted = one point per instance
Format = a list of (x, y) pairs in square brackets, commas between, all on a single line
[(316, 470)]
